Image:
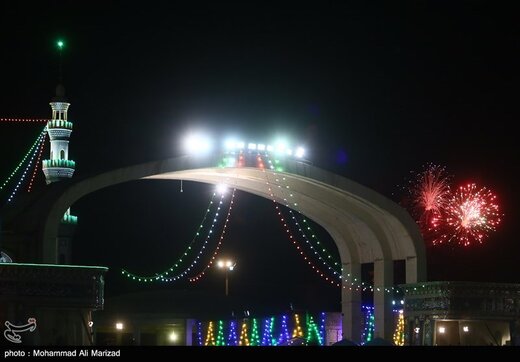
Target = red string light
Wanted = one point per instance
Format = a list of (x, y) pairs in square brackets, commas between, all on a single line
[(25, 120), (42, 146)]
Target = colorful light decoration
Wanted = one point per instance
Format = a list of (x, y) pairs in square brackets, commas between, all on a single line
[(313, 333), (297, 331), (347, 283), (232, 338), (220, 334), (335, 268), (255, 335), (220, 240), (24, 120), (210, 337), (312, 330), (267, 339), (399, 331), (36, 166), (244, 341), (322, 327), (29, 164), (165, 276), (369, 325), (37, 142), (284, 333), (199, 333)]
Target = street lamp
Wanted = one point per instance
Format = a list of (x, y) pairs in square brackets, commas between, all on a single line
[(227, 265)]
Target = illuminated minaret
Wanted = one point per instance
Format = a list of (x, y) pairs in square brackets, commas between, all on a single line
[(59, 166), (59, 128)]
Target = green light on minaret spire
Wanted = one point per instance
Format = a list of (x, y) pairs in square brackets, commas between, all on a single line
[(60, 44)]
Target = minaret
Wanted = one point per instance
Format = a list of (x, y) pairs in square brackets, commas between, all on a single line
[(59, 166)]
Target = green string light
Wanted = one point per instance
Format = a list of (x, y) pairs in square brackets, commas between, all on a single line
[(183, 256)]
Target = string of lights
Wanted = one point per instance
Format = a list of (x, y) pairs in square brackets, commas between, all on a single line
[(312, 332), (220, 334), (399, 331), (41, 139), (38, 140), (335, 268), (36, 166), (220, 240), (244, 340), (232, 337), (348, 282), (164, 274), (24, 120), (369, 325)]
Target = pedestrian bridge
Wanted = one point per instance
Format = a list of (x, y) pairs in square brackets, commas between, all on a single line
[(366, 226)]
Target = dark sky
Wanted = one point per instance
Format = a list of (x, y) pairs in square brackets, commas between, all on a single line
[(390, 87)]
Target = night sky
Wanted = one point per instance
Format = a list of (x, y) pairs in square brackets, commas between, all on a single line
[(373, 91)]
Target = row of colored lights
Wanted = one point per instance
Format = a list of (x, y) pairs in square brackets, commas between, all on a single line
[(24, 120), (220, 240), (314, 332), (166, 275), (186, 252), (37, 142), (36, 167), (351, 283), (41, 139)]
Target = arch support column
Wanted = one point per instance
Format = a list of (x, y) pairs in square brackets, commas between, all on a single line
[(383, 278), (351, 301)]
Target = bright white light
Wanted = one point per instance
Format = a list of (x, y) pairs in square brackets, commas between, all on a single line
[(417, 329), (289, 152), (220, 264), (280, 147), (231, 267), (299, 152), (173, 337), (197, 144), (90, 324), (119, 326), (221, 188), (269, 148), (261, 147), (230, 144), (240, 145), (442, 330), (402, 302), (229, 264), (465, 329), (251, 146)]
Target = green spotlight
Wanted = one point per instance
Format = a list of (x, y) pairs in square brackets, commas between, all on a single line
[(60, 44)]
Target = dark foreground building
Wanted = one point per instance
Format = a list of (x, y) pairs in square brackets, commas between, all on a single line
[(462, 313)]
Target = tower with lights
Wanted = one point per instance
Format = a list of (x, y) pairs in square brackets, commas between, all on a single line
[(59, 167)]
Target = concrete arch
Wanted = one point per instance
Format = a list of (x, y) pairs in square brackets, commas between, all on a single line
[(366, 226)]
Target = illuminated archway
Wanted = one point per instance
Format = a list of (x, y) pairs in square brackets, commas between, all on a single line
[(366, 226)]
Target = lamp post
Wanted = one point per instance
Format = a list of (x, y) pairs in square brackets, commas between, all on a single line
[(227, 265)]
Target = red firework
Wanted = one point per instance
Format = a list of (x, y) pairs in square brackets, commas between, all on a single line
[(430, 191), (469, 216)]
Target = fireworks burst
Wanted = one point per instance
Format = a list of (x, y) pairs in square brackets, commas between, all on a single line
[(429, 191), (469, 216)]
